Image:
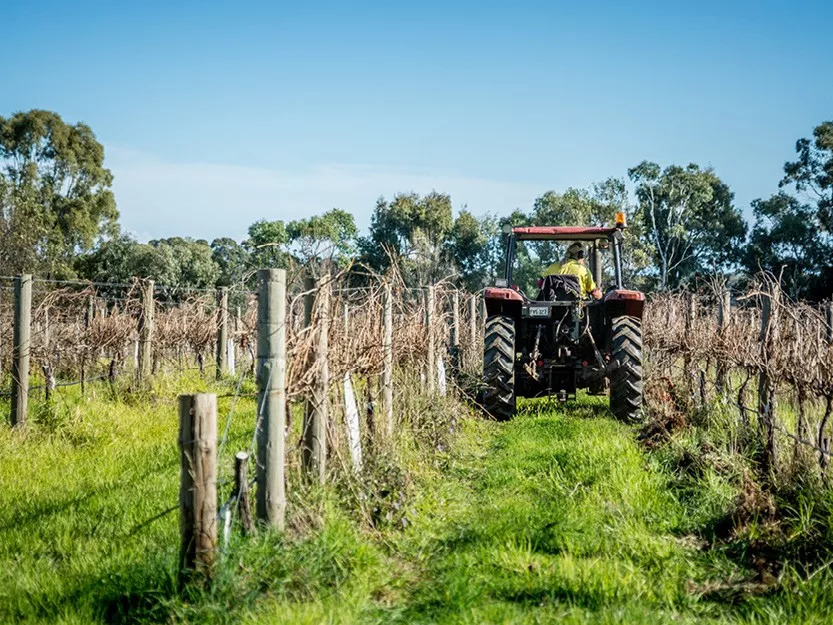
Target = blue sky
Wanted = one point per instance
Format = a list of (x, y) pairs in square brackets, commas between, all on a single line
[(214, 115)]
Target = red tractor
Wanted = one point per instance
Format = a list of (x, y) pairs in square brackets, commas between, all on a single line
[(562, 341)]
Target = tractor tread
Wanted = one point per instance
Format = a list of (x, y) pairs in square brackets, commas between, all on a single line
[(626, 379), (499, 367)]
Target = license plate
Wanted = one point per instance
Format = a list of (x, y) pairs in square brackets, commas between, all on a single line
[(539, 311)]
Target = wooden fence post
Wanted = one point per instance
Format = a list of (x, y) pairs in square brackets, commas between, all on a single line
[(241, 491), (473, 334), (315, 429), (766, 387), (222, 331), (387, 362), (47, 330), (455, 333), (690, 317), (21, 348), (198, 485), (724, 312), (431, 373), (824, 441), (146, 323), (271, 396), (236, 341)]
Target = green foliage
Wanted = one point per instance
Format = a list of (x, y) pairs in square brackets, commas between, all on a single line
[(178, 263), (793, 233), (412, 230), (689, 219), (232, 259), (812, 171), (55, 197), (323, 238), (788, 240), (266, 243), (475, 245)]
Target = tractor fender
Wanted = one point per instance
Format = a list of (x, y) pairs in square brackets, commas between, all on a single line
[(625, 302), (503, 301)]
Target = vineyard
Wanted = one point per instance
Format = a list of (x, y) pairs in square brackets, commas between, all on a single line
[(382, 439), (757, 354)]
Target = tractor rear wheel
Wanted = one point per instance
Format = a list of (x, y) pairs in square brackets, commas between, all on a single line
[(626, 376), (499, 367)]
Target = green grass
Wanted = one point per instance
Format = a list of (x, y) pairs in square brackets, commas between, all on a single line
[(79, 493), (557, 516)]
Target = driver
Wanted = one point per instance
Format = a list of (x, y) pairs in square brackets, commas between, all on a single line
[(573, 265)]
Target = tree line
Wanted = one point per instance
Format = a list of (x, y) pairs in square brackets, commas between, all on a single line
[(58, 219)]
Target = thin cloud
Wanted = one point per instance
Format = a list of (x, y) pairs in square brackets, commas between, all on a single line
[(159, 198)]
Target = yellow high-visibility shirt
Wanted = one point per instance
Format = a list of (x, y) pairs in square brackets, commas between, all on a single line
[(572, 267)]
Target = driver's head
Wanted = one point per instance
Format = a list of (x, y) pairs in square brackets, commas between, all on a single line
[(576, 251)]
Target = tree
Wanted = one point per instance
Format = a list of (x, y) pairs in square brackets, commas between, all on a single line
[(793, 234), (786, 241), (266, 244), (112, 261), (179, 264), (55, 197), (232, 259), (475, 246), (187, 264), (323, 239), (689, 219), (413, 230), (812, 172)]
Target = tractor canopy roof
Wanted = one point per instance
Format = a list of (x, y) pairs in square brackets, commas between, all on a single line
[(563, 233)]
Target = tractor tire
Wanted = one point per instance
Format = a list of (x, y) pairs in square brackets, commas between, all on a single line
[(499, 367), (626, 376)]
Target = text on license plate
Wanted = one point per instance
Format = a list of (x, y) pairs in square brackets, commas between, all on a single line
[(539, 311)]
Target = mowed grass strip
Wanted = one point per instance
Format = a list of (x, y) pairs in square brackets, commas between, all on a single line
[(563, 517)]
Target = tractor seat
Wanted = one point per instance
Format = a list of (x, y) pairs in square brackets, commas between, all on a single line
[(560, 288)]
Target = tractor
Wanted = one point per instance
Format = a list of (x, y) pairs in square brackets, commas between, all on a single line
[(560, 342)]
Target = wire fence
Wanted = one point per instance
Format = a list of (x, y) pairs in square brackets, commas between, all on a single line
[(754, 352)]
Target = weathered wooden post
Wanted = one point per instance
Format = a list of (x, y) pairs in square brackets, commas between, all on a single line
[(47, 330), (198, 485), (236, 341), (724, 312), (431, 373), (473, 334), (315, 428), (146, 323), (241, 491), (222, 331), (767, 406), (455, 333), (387, 362), (690, 317), (271, 396), (21, 347), (824, 441)]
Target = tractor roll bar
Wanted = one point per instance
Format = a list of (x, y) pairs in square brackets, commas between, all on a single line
[(578, 233)]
